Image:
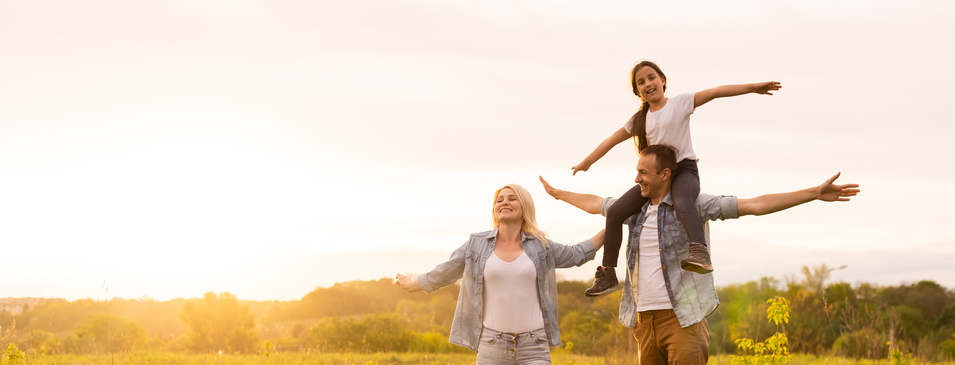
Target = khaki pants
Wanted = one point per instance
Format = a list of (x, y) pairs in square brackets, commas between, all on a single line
[(662, 341)]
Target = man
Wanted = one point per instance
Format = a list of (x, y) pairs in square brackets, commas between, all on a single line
[(665, 306)]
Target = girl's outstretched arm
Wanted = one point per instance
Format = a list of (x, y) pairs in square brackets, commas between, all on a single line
[(601, 150), (705, 96)]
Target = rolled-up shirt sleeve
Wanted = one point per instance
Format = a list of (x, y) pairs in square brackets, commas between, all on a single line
[(605, 206), (713, 207), (572, 255)]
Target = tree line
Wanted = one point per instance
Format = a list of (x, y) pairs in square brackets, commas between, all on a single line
[(858, 321)]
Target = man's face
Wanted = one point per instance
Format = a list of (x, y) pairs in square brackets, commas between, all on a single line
[(651, 180)]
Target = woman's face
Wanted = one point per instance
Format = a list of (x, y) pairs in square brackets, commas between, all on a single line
[(507, 207), (649, 84)]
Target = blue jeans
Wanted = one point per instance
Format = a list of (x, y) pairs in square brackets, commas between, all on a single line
[(513, 348)]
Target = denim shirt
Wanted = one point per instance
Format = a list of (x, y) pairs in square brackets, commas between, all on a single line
[(692, 295), (467, 263)]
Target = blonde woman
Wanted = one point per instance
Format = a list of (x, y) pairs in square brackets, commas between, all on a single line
[(507, 307)]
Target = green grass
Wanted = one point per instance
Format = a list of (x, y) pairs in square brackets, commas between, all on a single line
[(802, 359), (161, 357)]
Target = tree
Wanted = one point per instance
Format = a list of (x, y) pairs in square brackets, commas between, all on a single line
[(927, 296), (359, 297), (434, 315), (816, 277), (8, 333), (590, 325), (219, 323), (122, 334), (946, 320), (6, 318), (381, 332), (740, 313), (40, 342)]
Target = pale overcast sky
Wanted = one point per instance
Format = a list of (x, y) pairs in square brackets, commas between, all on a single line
[(269, 148)]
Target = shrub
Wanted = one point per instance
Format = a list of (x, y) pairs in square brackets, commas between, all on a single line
[(775, 349)]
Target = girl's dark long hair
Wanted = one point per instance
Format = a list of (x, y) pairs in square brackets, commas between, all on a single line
[(638, 123)]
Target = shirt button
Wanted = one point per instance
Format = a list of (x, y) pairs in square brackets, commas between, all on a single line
[(664, 267)]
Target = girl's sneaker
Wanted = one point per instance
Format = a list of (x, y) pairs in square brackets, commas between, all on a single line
[(605, 281), (699, 259)]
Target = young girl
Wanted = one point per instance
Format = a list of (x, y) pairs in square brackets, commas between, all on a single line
[(661, 120)]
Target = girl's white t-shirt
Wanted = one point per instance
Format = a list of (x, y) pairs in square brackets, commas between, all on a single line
[(511, 302), (671, 126)]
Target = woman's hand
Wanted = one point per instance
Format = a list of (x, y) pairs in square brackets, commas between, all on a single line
[(409, 285)]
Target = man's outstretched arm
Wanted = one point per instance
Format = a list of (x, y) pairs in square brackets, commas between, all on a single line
[(764, 204), (771, 203), (587, 202)]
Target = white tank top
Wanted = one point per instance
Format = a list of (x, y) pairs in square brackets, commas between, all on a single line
[(511, 300)]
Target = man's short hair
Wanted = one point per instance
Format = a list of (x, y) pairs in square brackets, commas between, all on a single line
[(665, 156)]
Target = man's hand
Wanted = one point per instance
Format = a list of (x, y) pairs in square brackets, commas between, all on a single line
[(771, 203), (830, 192), (549, 189), (587, 202), (766, 88)]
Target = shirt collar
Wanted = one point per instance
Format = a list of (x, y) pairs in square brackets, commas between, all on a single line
[(493, 235), (667, 200)]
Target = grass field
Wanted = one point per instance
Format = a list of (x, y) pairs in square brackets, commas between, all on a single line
[(159, 357)]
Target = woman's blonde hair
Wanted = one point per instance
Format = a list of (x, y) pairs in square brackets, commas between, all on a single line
[(529, 223)]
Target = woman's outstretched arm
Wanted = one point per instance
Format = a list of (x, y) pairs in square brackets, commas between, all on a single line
[(406, 283)]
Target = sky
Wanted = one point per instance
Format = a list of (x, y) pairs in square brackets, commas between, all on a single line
[(170, 148)]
